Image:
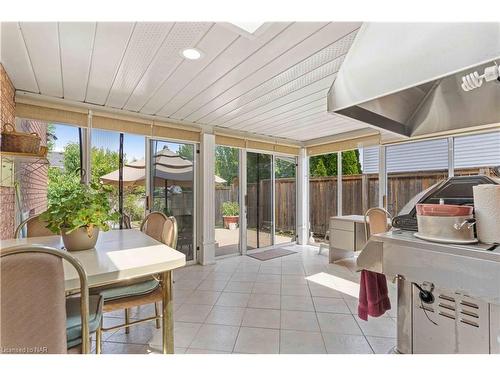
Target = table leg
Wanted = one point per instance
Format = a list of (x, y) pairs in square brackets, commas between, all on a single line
[(167, 312)]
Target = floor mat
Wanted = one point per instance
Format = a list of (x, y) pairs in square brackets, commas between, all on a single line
[(271, 254)]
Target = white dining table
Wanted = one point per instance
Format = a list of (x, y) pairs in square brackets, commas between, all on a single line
[(121, 255)]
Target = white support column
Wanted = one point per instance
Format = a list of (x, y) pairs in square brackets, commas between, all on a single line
[(451, 157), (207, 204), (303, 198), (149, 193), (382, 178), (87, 148), (339, 183), (243, 206)]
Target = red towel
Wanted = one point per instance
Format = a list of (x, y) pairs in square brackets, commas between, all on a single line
[(373, 296)]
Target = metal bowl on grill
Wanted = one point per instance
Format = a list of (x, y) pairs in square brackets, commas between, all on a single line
[(445, 223)]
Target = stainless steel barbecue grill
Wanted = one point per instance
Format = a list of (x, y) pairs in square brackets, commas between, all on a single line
[(448, 295)]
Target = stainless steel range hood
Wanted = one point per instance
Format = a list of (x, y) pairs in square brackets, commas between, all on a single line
[(406, 78)]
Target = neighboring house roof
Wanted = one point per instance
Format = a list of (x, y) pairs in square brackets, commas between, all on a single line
[(56, 159), (479, 150)]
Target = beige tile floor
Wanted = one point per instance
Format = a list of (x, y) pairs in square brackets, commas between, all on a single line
[(243, 305)]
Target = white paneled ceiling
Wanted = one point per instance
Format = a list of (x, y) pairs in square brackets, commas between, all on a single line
[(41, 41), (271, 83)]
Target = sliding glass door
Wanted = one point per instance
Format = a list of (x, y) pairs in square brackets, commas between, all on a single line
[(227, 201), (285, 199), (259, 200), (172, 188)]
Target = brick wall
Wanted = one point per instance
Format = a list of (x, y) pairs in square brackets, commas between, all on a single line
[(30, 178), (7, 106), (7, 197)]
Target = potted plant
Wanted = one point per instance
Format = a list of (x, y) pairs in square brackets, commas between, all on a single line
[(78, 212), (230, 215)]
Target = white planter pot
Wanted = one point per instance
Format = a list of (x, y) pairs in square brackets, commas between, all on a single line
[(79, 239)]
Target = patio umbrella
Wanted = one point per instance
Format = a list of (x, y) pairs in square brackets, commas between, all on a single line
[(132, 176), (168, 166), (219, 180)]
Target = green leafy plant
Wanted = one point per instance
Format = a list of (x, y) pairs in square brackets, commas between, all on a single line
[(133, 202), (73, 205), (230, 209), (326, 165)]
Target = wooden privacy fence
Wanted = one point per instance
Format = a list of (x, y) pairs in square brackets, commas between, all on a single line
[(224, 194), (286, 204), (285, 192), (359, 193), (259, 205)]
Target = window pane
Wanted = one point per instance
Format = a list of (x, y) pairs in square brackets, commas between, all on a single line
[(412, 168), (285, 198), (259, 197), (322, 193), (172, 173), (134, 189), (227, 234), (105, 162), (64, 156), (369, 157), (352, 184), (476, 153)]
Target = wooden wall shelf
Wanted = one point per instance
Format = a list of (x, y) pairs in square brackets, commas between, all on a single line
[(41, 156)]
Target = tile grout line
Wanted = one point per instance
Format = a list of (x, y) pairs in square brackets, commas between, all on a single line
[(315, 312), (362, 332), (194, 336), (239, 264), (204, 321)]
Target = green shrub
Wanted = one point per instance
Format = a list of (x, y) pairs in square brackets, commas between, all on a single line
[(133, 204), (230, 209)]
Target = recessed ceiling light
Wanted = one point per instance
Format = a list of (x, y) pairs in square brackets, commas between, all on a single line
[(191, 53)]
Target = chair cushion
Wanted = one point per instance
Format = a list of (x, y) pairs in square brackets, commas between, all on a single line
[(73, 320), (130, 290)]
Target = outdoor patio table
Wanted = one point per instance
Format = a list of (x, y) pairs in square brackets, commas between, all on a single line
[(121, 255)]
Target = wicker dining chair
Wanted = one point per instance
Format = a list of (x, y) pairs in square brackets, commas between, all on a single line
[(36, 315), (156, 224), (376, 221), (125, 295), (35, 227)]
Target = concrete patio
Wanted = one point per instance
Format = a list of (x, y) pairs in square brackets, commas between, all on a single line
[(228, 240)]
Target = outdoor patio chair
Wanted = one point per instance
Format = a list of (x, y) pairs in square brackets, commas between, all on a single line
[(127, 223), (36, 315), (185, 233), (145, 290), (34, 228), (376, 221)]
